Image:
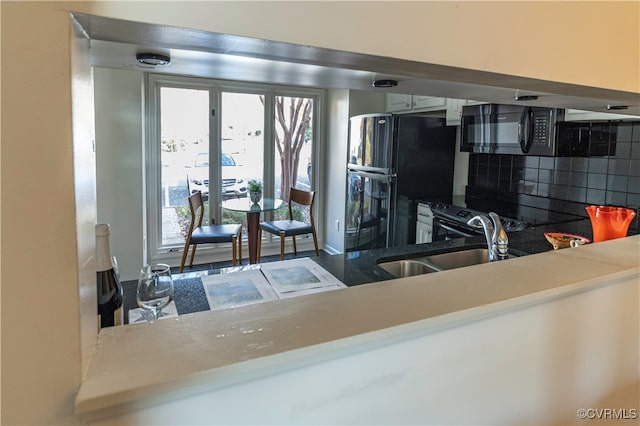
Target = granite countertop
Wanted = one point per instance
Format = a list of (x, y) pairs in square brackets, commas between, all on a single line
[(352, 269), (361, 267)]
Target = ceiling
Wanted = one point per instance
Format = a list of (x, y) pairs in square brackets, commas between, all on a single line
[(114, 44)]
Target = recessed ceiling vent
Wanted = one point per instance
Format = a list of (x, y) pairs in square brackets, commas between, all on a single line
[(616, 107), (153, 59), (526, 98), (385, 83)]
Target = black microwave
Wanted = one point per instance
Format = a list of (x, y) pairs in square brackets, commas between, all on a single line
[(509, 129)]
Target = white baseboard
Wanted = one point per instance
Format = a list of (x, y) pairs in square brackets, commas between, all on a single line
[(331, 250)]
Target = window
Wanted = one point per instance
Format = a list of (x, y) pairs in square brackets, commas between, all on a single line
[(293, 144), (184, 158), (242, 131), (248, 131)]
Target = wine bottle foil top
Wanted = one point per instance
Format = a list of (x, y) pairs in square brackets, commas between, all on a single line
[(102, 229)]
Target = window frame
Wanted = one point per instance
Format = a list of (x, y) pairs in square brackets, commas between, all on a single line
[(152, 216)]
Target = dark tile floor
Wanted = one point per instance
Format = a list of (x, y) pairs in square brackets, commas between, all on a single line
[(245, 261)]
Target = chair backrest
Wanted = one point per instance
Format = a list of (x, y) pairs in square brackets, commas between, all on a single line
[(304, 198), (197, 209)]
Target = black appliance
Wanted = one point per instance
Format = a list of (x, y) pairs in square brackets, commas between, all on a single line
[(450, 222), (394, 161), (509, 129)]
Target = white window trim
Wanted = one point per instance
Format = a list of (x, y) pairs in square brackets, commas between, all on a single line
[(151, 157)]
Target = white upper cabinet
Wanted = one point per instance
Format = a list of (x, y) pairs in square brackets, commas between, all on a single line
[(579, 115), (397, 102), (400, 103), (414, 103), (454, 110), (428, 103)]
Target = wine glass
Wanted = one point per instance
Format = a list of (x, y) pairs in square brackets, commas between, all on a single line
[(155, 288)]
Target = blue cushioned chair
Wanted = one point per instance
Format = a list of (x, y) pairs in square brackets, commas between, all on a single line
[(199, 234), (291, 228)]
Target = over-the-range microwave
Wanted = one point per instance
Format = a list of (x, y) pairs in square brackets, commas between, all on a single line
[(509, 129)]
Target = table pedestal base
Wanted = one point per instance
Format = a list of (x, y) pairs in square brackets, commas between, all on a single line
[(253, 228)]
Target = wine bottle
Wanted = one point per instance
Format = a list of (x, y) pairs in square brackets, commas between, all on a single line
[(110, 310)]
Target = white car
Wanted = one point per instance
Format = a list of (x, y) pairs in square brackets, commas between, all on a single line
[(198, 177)]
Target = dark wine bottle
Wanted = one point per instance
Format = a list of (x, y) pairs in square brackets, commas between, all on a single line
[(110, 310)]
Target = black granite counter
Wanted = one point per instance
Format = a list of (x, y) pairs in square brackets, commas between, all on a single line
[(361, 267), (354, 268)]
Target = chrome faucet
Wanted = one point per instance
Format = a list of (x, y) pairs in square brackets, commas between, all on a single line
[(497, 240)]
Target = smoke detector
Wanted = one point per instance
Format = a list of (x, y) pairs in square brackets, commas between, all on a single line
[(153, 59), (385, 83)]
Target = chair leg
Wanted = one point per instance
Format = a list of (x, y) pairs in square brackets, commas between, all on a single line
[(240, 247), (184, 253), (281, 245), (295, 248), (315, 242), (233, 250), (193, 254)]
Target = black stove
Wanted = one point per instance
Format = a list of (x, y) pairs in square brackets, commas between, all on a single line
[(461, 215)]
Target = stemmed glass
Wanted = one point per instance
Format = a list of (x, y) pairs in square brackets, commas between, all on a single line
[(155, 288)]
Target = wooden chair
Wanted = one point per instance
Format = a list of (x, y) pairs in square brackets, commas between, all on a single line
[(286, 228), (199, 234)]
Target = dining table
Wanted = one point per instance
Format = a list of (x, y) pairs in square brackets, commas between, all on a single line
[(253, 211)]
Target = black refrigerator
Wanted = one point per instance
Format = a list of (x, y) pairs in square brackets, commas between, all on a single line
[(394, 162)]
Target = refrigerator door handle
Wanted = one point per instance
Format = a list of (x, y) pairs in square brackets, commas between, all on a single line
[(376, 176), (355, 168)]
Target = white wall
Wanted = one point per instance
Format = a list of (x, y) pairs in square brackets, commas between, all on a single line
[(342, 104), (335, 173), (407, 30), (536, 365), (84, 189), (362, 102), (119, 147), (49, 308), (42, 325)]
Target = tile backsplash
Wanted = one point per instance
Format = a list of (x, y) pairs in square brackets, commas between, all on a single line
[(598, 163)]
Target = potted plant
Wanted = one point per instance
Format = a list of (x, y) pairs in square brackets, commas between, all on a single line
[(255, 190)]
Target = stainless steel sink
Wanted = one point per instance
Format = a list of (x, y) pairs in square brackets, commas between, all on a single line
[(406, 268), (435, 263), (459, 259)]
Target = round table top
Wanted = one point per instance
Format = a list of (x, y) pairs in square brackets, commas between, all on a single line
[(246, 205)]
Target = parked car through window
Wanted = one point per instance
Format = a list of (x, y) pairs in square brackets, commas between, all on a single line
[(233, 186)]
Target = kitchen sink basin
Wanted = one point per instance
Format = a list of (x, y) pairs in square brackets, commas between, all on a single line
[(459, 259), (437, 262), (406, 268)]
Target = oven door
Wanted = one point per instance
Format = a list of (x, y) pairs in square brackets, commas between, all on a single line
[(445, 229)]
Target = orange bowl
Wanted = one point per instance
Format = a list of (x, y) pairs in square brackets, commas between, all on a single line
[(560, 240)]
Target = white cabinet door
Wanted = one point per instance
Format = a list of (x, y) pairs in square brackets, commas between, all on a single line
[(424, 233), (398, 102), (454, 111), (579, 115), (428, 103)]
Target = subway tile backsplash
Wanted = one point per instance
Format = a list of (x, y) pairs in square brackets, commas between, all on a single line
[(599, 163)]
